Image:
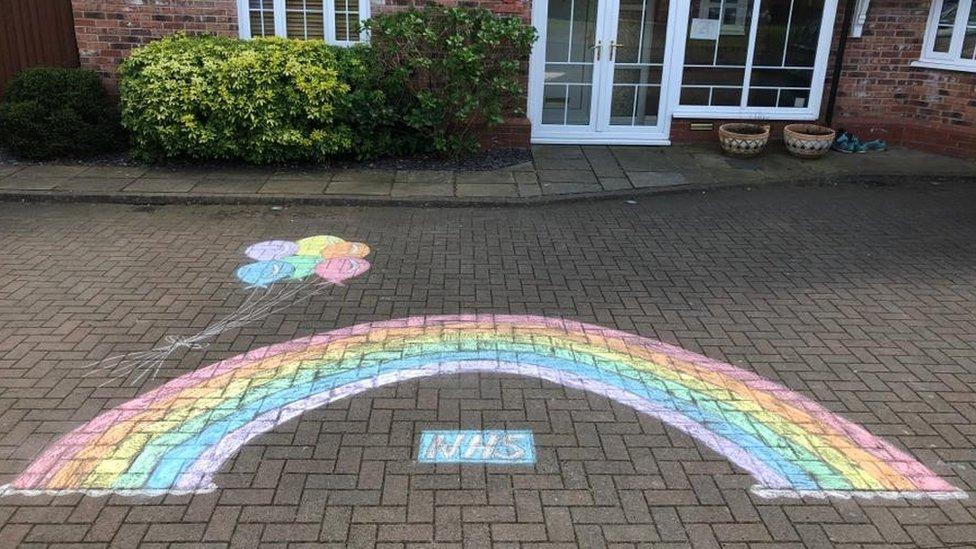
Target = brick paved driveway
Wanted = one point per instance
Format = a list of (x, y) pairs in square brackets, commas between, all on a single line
[(861, 298)]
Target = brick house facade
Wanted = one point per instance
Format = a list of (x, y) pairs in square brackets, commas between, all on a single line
[(880, 92)]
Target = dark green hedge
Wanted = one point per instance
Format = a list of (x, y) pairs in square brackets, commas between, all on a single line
[(57, 112)]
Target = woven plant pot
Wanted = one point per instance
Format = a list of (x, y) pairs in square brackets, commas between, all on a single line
[(742, 139), (808, 140)]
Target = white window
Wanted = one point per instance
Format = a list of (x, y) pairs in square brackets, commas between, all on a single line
[(755, 58), (335, 21), (950, 36)]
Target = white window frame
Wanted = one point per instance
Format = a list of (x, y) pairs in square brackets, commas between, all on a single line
[(810, 112), (951, 60), (328, 9)]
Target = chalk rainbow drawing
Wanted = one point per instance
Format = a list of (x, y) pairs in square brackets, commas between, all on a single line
[(175, 438)]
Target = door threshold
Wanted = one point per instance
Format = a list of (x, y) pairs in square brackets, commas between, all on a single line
[(576, 140)]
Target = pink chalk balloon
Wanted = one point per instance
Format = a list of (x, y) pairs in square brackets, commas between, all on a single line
[(338, 269)]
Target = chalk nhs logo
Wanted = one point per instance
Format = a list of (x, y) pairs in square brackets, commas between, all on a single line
[(493, 446)]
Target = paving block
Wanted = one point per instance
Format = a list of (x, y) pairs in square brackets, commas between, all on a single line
[(403, 190), (293, 186), (486, 189), (657, 179), (425, 176), (371, 188)]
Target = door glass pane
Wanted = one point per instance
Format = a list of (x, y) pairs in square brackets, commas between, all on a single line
[(642, 30), (570, 34), (715, 52)]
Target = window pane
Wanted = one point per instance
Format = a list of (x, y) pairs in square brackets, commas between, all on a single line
[(943, 38), (304, 19), (969, 40), (347, 20), (726, 97), (762, 97), (789, 78), (949, 9), (796, 99), (261, 16), (943, 31), (969, 44), (716, 49)]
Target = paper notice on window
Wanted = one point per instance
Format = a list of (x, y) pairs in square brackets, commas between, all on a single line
[(705, 29)]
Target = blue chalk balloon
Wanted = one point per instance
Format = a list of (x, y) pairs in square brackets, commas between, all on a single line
[(263, 273)]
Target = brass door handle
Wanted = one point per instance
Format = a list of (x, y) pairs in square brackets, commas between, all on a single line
[(613, 49), (598, 46)]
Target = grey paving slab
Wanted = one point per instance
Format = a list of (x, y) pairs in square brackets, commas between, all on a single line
[(642, 159), (6, 170), (161, 185), (426, 177), (529, 190), (566, 176), (557, 163), (466, 190), (166, 172), (52, 170), (657, 179), (570, 188), (293, 186), (371, 188), (615, 183), (30, 182), (403, 189), (570, 168), (113, 172), (95, 184), (302, 175), (228, 186), (486, 177), (368, 176), (602, 161), (558, 152), (247, 173)]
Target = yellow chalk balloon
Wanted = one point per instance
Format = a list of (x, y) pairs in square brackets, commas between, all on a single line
[(346, 249), (313, 245)]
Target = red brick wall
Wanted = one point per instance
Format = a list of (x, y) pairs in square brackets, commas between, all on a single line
[(107, 29), (882, 95)]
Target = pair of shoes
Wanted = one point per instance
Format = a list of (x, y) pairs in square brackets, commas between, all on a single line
[(875, 145), (847, 143)]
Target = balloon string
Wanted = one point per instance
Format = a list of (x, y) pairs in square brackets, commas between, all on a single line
[(257, 305)]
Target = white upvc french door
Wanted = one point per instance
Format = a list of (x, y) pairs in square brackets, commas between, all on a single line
[(600, 72)]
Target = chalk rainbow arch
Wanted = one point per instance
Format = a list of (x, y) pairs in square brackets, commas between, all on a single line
[(175, 438)]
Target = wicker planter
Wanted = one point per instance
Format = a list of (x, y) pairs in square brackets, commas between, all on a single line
[(742, 139), (808, 140)]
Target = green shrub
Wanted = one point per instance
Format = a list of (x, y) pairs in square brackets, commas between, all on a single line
[(462, 69), (56, 112), (263, 100)]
